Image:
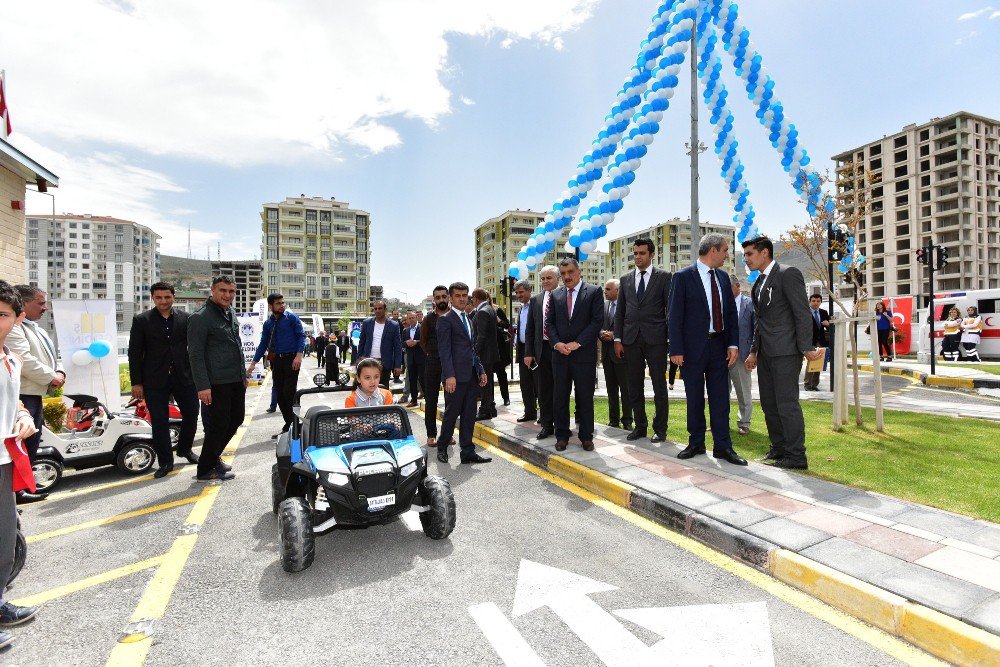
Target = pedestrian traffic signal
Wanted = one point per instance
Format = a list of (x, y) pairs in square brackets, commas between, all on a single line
[(924, 255), (942, 257), (837, 244)]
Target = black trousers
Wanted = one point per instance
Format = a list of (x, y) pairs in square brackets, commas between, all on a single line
[(884, 347), (616, 381), (285, 380), (777, 380), (33, 404), (500, 370), (385, 378), (320, 355), (710, 368), (526, 378), (578, 375), (460, 406), (543, 381), (638, 355), (673, 372), (414, 377), (158, 404), (432, 390), (487, 396), (226, 414), (343, 354)]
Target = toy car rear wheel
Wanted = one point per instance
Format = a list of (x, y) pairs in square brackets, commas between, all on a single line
[(136, 458), (277, 488), (47, 473), (298, 545), (439, 519)]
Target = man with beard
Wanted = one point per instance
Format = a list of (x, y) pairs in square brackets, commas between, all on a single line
[(432, 361)]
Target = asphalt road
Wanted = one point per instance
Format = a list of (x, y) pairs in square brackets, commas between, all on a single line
[(389, 595)]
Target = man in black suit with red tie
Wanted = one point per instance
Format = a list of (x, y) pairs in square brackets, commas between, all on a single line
[(463, 376), (575, 315), (704, 343)]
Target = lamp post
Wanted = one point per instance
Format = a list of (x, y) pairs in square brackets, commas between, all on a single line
[(694, 148)]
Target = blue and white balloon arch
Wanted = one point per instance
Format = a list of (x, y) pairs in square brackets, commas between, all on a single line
[(633, 122)]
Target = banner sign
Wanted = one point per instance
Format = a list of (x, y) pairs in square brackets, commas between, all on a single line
[(355, 333), (317, 324), (251, 327), (87, 336)]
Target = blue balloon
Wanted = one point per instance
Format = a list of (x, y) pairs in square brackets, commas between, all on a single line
[(586, 235), (522, 255), (583, 256), (99, 348), (574, 240)]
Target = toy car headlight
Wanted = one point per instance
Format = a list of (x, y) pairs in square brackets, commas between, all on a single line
[(408, 469), (337, 479)]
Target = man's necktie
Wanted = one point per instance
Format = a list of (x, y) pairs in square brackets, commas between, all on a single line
[(816, 317), (545, 317), (716, 304), (465, 323), (611, 311), (640, 291), (569, 303), (755, 292)]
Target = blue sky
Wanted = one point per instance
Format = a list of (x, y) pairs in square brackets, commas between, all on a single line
[(453, 115)]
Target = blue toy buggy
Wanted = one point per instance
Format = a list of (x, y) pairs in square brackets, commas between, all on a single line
[(351, 467)]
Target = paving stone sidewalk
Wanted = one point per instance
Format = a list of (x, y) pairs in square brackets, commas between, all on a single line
[(945, 561)]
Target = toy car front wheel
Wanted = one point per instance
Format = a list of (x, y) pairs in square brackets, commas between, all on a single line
[(298, 545), (47, 473), (136, 458), (277, 488), (439, 519)]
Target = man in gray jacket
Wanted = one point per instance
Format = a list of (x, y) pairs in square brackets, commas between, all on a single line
[(739, 374), (641, 337), (783, 335), (220, 374)]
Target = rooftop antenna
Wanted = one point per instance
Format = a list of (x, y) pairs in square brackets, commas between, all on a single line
[(218, 251), (189, 240)]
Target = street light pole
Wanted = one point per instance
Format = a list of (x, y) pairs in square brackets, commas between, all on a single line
[(694, 147)]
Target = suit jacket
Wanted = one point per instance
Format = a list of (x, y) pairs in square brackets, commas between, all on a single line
[(691, 314), (391, 347), (588, 314), (820, 331), (485, 333), (416, 353), (608, 347), (151, 354), (533, 340), (458, 357), (522, 349), (784, 325), (747, 322), (41, 361), (648, 317)]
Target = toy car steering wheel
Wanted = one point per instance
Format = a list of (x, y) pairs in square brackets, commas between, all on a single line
[(386, 431)]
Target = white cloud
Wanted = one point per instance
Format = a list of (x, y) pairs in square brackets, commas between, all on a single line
[(995, 15), (466, 101), (968, 16), (253, 82), (965, 38), (105, 184)]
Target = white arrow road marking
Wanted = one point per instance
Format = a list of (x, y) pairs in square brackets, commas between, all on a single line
[(506, 640), (566, 594), (712, 634)]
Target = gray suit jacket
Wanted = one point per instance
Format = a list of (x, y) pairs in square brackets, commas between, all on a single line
[(648, 317), (784, 325), (33, 345), (747, 322)]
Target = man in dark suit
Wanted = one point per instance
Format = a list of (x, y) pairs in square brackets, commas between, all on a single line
[(784, 333), (537, 350), (615, 367), (343, 344), (463, 375), (159, 368), (704, 343), (821, 329), (487, 349), (739, 376), (381, 339), (641, 337), (574, 320), (414, 356), (526, 376)]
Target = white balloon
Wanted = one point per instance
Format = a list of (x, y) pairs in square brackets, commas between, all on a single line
[(82, 358), (532, 262), (584, 224), (587, 247), (568, 248), (550, 236), (549, 217), (668, 93)]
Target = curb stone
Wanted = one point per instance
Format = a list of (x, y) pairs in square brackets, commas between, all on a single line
[(935, 381)]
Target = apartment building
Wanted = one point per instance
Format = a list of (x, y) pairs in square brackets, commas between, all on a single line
[(499, 239), (93, 257), (938, 182), (317, 252), (249, 277), (375, 293), (673, 246)]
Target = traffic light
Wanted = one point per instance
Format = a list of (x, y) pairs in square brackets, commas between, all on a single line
[(924, 254), (837, 244), (942, 257)]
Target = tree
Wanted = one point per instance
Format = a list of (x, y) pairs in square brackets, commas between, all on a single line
[(839, 224)]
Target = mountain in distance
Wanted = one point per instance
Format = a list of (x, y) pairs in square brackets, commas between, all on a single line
[(185, 273)]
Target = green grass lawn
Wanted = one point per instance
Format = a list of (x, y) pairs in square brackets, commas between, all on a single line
[(945, 462), (992, 369)]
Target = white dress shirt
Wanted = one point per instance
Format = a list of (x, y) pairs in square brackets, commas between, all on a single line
[(377, 332), (573, 292), (706, 282), (522, 321)]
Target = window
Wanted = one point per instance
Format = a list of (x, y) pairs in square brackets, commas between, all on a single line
[(900, 156), (310, 215), (272, 214)]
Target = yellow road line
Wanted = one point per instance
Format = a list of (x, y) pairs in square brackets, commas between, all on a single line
[(89, 582), (131, 650), (76, 493), (882, 641), (118, 517)]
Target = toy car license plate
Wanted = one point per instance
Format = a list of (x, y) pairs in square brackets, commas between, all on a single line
[(381, 502)]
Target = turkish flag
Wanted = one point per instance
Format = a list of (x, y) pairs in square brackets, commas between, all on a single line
[(24, 478)]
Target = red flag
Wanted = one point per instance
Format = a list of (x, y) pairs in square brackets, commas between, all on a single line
[(5, 128), (24, 478)]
